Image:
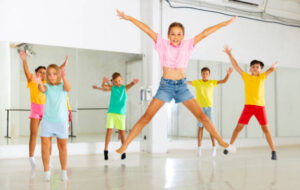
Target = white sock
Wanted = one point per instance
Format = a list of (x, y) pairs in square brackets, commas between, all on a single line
[(47, 175), (50, 162), (63, 175), (32, 162), (214, 151), (199, 151)]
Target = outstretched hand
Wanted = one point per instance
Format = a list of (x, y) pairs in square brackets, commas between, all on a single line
[(135, 81), (38, 80), (122, 15), (65, 63), (274, 65), (229, 71), (63, 72), (105, 80), (227, 49), (23, 55), (231, 20)]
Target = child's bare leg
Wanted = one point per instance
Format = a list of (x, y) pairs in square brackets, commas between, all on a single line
[(154, 106), (236, 132), (122, 135), (200, 134), (212, 140), (268, 135), (107, 138), (34, 127), (195, 108), (45, 152), (62, 148)]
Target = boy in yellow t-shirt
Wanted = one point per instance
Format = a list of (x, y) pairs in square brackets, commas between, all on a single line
[(254, 98), (205, 96)]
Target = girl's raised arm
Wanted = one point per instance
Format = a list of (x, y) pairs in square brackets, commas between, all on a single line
[(139, 24), (208, 31)]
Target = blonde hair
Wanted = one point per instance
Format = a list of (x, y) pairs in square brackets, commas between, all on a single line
[(57, 69)]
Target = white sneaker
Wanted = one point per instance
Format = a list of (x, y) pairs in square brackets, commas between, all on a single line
[(230, 149), (115, 156), (32, 162), (214, 152), (47, 176), (63, 175), (199, 152)]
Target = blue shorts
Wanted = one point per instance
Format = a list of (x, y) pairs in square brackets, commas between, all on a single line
[(55, 129), (209, 112), (177, 89)]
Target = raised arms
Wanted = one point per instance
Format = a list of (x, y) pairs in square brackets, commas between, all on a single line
[(25, 66), (229, 71), (139, 24), (227, 50), (208, 31)]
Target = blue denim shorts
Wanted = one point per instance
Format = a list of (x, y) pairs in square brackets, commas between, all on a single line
[(209, 112), (173, 89), (55, 129)]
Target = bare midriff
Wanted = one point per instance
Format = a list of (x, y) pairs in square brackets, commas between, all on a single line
[(173, 74)]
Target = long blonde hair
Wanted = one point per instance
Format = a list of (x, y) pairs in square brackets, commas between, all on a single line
[(58, 73)]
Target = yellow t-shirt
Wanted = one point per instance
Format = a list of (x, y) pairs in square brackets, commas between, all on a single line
[(254, 89), (35, 95), (205, 92), (68, 103)]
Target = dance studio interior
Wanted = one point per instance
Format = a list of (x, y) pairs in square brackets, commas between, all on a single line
[(147, 59)]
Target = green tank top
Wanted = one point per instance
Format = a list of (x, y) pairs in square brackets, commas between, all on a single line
[(118, 99)]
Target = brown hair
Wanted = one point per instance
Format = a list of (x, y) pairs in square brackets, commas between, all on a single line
[(176, 24), (115, 75), (254, 62), (57, 69), (205, 69)]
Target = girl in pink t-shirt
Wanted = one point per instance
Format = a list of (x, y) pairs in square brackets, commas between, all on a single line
[(174, 55)]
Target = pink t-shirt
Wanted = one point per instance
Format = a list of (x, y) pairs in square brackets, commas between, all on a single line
[(174, 56)]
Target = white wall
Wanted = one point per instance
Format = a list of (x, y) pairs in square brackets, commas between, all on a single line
[(249, 39), (90, 24)]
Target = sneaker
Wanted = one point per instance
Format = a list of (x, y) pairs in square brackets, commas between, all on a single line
[(47, 176), (274, 155), (32, 162), (199, 152), (123, 156), (105, 154), (230, 149), (63, 175), (214, 152)]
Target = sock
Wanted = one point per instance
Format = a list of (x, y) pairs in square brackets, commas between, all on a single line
[(214, 151), (199, 151), (32, 162)]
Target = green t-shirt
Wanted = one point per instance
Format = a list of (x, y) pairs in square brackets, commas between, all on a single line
[(118, 99)]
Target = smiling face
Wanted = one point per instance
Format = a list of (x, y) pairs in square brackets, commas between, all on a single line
[(118, 81), (255, 69), (205, 75), (176, 36), (53, 75)]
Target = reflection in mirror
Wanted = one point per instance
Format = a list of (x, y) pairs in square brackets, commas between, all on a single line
[(85, 68)]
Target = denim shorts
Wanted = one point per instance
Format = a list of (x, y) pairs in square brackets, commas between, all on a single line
[(173, 89), (55, 129), (209, 112)]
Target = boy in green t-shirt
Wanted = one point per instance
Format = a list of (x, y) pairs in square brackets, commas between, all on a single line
[(204, 91), (116, 115)]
